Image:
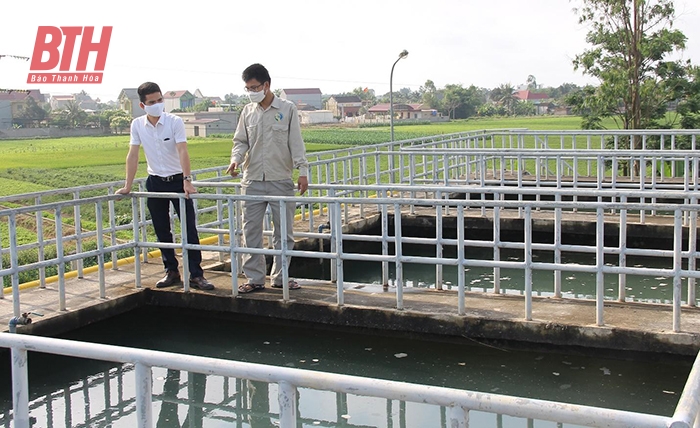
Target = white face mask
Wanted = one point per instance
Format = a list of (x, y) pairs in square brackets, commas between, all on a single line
[(256, 97), (155, 110)]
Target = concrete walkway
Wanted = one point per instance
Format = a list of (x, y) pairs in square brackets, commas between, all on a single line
[(490, 318)]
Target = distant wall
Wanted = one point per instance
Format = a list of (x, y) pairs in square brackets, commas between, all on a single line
[(20, 133)]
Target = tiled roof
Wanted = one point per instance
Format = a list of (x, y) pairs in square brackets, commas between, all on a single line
[(527, 95), (130, 93), (384, 107), (21, 94), (347, 99), (174, 94), (302, 91)]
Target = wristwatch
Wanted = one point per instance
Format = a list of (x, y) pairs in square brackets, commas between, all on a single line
[(187, 178)]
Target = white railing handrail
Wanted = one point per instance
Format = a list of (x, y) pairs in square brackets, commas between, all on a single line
[(460, 402)]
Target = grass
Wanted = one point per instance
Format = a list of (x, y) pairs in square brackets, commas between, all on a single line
[(43, 164)]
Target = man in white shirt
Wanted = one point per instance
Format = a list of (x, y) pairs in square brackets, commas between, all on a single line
[(267, 146), (162, 136)]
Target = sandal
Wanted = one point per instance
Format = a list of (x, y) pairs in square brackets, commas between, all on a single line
[(293, 285), (249, 288)]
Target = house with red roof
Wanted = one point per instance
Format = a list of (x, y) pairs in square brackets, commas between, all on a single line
[(540, 100), (178, 100)]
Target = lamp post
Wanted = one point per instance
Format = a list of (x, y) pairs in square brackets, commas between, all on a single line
[(403, 54)]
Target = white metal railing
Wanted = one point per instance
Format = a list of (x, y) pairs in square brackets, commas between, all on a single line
[(288, 380), (337, 211), (397, 179)]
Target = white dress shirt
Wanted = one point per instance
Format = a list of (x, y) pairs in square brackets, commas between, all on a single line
[(159, 142)]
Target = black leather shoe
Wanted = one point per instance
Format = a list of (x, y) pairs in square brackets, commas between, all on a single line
[(201, 284), (172, 277)]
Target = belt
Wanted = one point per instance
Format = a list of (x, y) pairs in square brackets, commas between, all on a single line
[(169, 178)]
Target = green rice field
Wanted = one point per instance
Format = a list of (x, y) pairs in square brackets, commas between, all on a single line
[(42, 164)]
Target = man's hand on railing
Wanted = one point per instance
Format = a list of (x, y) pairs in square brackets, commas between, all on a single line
[(123, 191)]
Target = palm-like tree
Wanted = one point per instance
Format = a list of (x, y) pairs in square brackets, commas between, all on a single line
[(531, 82), (505, 96), (74, 114)]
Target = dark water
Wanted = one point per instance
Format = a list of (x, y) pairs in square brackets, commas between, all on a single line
[(574, 284), (625, 382)]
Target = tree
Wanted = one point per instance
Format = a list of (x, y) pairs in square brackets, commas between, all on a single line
[(119, 121), (630, 40), (531, 82), (203, 105), (689, 104), (32, 113), (429, 95), (459, 102), (505, 96), (74, 114)]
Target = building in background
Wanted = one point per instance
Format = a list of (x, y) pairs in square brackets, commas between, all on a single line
[(306, 96), (344, 106), (129, 102), (208, 123), (178, 100)]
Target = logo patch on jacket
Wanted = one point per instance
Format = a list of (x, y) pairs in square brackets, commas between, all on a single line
[(278, 117)]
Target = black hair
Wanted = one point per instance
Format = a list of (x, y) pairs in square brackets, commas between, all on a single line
[(147, 89), (257, 72)]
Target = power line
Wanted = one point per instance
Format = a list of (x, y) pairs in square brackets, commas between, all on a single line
[(26, 58), (9, 91)]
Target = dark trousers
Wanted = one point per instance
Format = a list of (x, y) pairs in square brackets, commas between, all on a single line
[(160, 214)]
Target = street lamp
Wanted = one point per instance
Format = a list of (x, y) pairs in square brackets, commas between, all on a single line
[(403, 54)]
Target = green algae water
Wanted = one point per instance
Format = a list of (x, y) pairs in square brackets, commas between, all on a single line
[(66, 392), (650, 289)]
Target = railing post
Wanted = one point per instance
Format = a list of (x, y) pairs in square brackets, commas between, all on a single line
[(284, 248), (61, 265), (287, 396), (557, 246), (599, 263), (496, 243), (528, 262), (692, 249), (40, 240), (338, 262), (334, 231), (677, 266), (398, 251), (78, 232), (20, 388), (232, 244), (459, 417), (113, 227), (622, 260), (385, 238), (438, 244), (184, 242), (14, 264), (461, 309), (144, 411), (100, 249), (137, 247), (143, 222)]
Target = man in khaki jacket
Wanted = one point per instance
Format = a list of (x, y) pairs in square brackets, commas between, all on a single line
[(267, 146)]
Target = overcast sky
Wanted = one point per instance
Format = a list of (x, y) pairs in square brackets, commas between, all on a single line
[(332, 45)]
